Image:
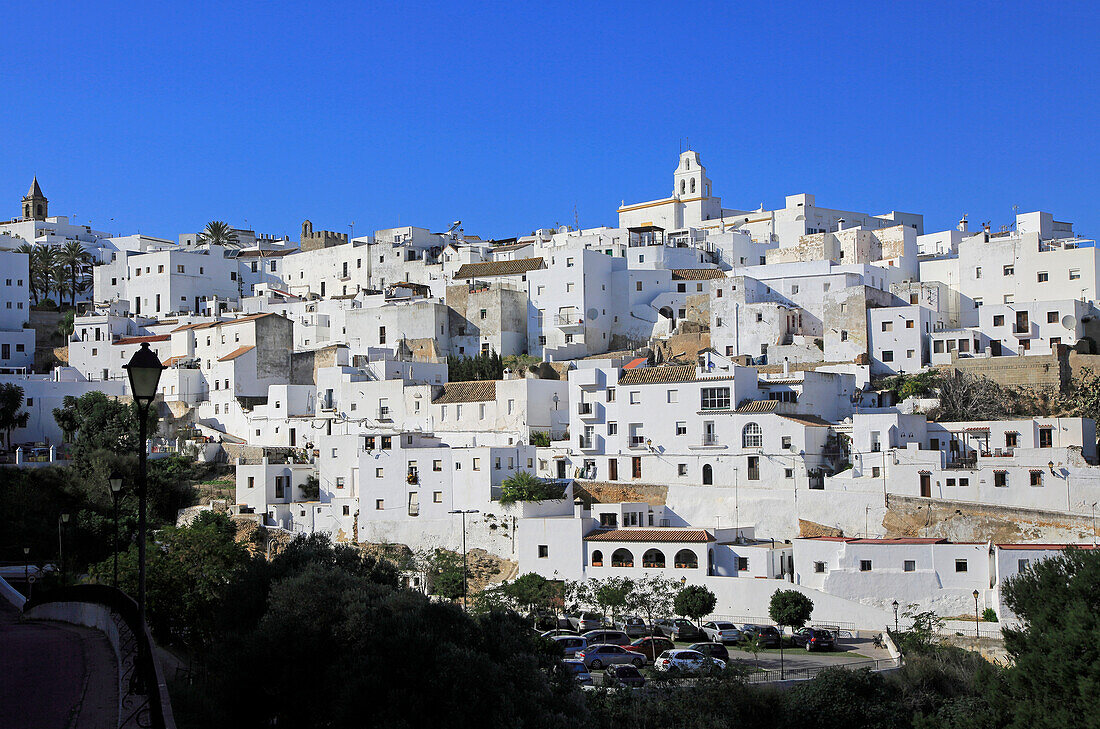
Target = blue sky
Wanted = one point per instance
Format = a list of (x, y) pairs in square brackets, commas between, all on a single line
[(506, 116)]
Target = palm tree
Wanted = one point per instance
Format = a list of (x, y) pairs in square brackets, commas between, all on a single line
[(44, 269), (74, 260), (29, 250), (218, 233)]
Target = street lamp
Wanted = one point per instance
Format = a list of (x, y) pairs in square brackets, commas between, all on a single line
[(62, 519), (683, 582), (115, 482), (144, 370), (976, 635), (26, 569), (895, 617), (464, 512)]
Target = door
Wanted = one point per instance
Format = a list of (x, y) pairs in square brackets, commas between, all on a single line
[(708, 475), (926, 485), (561, 468), (613, 469), (636, 466), (293, 437), (754, 468)]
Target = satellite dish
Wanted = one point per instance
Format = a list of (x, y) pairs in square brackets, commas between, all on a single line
[(1069, 321), (591, 314)]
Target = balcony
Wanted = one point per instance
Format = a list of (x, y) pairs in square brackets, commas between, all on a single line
[(587, 410), (590, 443), (1023, 330), (638, 441), (710, 440), (327, 403), (588, 377), (569, 321), (384, 415)]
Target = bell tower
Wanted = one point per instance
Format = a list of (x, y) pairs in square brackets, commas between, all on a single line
[(35, 204), (690, 179)]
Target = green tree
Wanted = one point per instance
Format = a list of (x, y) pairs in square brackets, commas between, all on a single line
[(95, 421), (311, 489), (528, 594), (838, 698), (652, 598), (33, 281), (218, 233), (12, 415), (74, 263), (790, 607), (43, 272), (67, 324), (1055, 678), (524, 486), (446, 574), (694, 601), (612, 594)]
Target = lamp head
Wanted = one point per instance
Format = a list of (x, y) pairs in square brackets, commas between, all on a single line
[(683, 581), (65, 518), (116, 483), (144, 369), (895, 605), (975, 594), (26, 550)]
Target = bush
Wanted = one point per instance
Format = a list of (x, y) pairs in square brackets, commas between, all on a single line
[(989, 615), (524, 486)]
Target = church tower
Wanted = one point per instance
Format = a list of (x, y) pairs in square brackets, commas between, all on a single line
[(35, 204), (691, 180)]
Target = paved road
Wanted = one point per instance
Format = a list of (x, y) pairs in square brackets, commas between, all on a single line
[(848, 650), (55, 675)]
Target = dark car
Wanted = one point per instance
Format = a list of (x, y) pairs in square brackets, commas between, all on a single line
[(633, 626), (769, 634), (544, 621), (615, 637), (578, 670), (624, 675), (712, 650), (679, 629), (570, 644), (602, 656), (651, 647), (814, 639)]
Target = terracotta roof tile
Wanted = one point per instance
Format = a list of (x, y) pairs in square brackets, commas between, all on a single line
[(664, 373), (195, 325), (473, 391), (1046, 546), (697, 274), (758, 406), (811, 420), (635, 363), (239, 320), (139, 340), (499, 268), (237, 353), (650, 535)]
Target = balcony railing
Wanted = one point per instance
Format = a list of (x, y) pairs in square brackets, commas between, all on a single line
[(637, 441), (568, 320), (584, 408), (384, 414), (710, 439)]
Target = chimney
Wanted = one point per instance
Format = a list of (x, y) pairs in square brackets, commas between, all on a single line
[(963, 226), (786, 367)]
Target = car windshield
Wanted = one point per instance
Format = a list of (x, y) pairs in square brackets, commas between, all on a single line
[(690, 655), (627, 670), (681, 622), (576, 667)]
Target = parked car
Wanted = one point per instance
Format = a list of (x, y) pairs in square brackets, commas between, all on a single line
[(615, 637), (721, 631), (768, 633), (570, 644), (633, 626), (687, 661), (543, 621), (586, 621), (679, 629), (712, 650), (559, 631), (814, 639), (623, 675), (603, 655), (579, 671), (651, 646)]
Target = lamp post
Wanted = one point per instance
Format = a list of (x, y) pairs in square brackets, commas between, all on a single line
[(976, 634), (895, 617), (26, 568), (116, 486), (144, 369), (62, 519), (464, 512)]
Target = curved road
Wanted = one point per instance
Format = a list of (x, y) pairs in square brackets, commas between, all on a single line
[(55, 675)]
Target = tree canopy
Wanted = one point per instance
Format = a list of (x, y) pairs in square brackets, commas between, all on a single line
[(790, 607), (12, 415), (694, 601), (95, 421), (525, 486)]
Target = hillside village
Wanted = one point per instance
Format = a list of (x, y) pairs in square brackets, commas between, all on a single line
[(721, 396)]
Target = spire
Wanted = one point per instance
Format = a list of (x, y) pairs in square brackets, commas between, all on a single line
[(35, 190)]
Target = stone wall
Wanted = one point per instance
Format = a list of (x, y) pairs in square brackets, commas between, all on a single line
[(611, 492), (1036, 371), (961, 521)]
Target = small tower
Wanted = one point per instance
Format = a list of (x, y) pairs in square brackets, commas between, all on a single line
[(35, 204), (690, 179)]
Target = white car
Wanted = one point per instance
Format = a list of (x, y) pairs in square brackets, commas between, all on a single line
[(721, 631), (687, 661)]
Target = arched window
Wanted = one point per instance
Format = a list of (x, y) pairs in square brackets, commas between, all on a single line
[(687, 163), (39, 210), (687, 560), (683, 186), (693, 184), (653, 558), (597, 558), (622, 558), (752, 436), (708, 475)]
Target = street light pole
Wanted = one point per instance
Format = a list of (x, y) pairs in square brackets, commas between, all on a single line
[(116, 486), (977, 636), (464, 512), (63, 518), (895, 617), (26, 568), (144, 369)]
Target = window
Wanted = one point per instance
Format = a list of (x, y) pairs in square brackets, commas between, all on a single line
[(788, 473), (544, 551), (960, 565), (638, 286), (1022, 564), (681, 469), (843, 335), (569, 286), (635, 397), (1036, 477), (1043, 276), (998, 320), (251, 481), (908, 323), (612, 428), (964, 482), (937, 346), (1052, 317), (379, 504), (1000, 478), (978, 303), (753, 468), (673, 396), (715, 398), (1012, 440), (1074, 274), (865, 565), (978, 272), (347, 509), (887, 326), (742, 564), (888, 356), (484, 313), (379, 472), (876, 471), (611, 394), (1046, 437), (1009, 270), (819, 567), (477, 464), (752, 436), (910, 565), (681, 427)]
